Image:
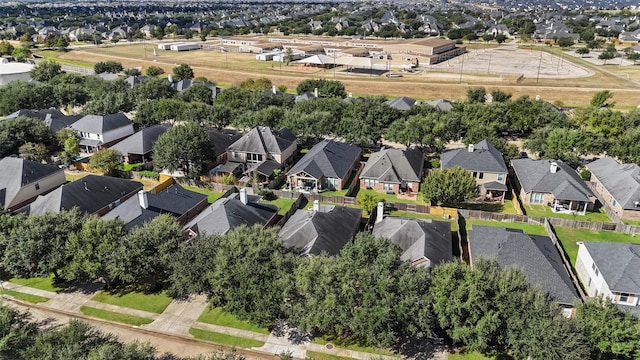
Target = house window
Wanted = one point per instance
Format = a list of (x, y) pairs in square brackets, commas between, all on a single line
[(254, 157), (613, 202), (37, 186), (536, 198), (387, 187), (480, 175), (500, 177), (624, 297), (595, 269), (474, 174)]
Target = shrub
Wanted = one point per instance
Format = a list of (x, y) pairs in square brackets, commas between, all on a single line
[(268, 195), (150, 174)]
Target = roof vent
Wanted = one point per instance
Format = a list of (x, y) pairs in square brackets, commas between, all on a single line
[(553, 168), (636, 203), (471, 148)]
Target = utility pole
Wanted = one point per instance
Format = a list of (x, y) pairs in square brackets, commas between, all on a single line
[(539, 64)]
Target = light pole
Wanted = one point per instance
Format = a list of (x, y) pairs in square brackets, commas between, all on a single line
[(461, 66), (226, 58), (539, 64)]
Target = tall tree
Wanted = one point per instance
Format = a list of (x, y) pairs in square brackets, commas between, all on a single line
[(107, 66), (106, 160), (17, 332), (449, 186), (46, 70), (182, 72), (183, 147)]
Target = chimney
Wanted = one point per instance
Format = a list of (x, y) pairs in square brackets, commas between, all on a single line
[(274, 90), (471, 147), (143, 200), (170, 78), (316, 205), (243, 196), (350, 94), (380, 212), (554, 167), (315, 92)]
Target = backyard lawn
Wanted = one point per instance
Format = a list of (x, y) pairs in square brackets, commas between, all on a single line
[(506, 208), (154, 303), (37, 283), (283, 204), (569, 236), (217, 316), (527, 228), (545, 211), (212, 195), (392, 197), (34, 299), (114, 316), (225, 339)]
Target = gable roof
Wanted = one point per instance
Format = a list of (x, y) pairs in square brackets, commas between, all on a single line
[(261, 140), (565, 183), (622, 181), (328, 230), (36, 114), (394, 165), (100, 124), (401, 103), (221, 139), (441, 104), (619, 264), (423, 242), (89, 194), (535, 255), (16, 173), (485, 157), (56, 124), (141, 143), (328, 159)]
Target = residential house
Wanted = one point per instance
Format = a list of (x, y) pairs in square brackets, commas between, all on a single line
[(552, 183), (486, 165), (135, 80), (220, 140), (323, 229), (611, 270), (536, 256), (393, 171), (98, 131), (108, 76), (227, 213), (441, 104), (138, 147), (262, 143), (21, 181), (36, 114), (328, 165), (617, 186), (401, 103), (425, 243), (91, 194)]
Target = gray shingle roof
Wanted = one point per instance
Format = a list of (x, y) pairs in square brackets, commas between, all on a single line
[(441, 104), (141, 143), (55, 124), (16, 173), (261, 140), (328, 159), (394, 166), (401, 103), (535, 255), (485, 157), (622, 181), (36, 114), (419, 239), (619, 264), (536, 176), (97, 124), (328, 230), (221, 139)]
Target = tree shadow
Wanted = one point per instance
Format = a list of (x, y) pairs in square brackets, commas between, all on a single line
[(420, 347), (84, 288)]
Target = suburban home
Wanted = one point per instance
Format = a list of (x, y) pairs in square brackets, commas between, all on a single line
[(486, 165), (21, 181), (611, 270), (328, 165), (220, 140), (393, 171), (137, 148), (262, 143), (36, 114), (323, 229), (424, 243), (536, 256), (91, 194), (97, 131), (401, 103), (617, 186), (227, 213), (552, 183), (175, 200)]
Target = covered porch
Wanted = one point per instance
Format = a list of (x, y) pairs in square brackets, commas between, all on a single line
[(494, 192), (304, 182), (567, 206)]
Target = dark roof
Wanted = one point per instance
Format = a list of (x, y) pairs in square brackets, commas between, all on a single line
[(141, 143), (56, 124), (98, 124), (484, 157), (419, 239), (564, 184), (265, 167), (619, 264), (89, 194), (261, 140), (441, 104), (15, 173), (535, 255), (622, 181), (394, 165), (221, 139), (328, 159), (494, 185), (229, 212), (401, 103), (314, 232), (228, 168), (134, 80), (36, 114)]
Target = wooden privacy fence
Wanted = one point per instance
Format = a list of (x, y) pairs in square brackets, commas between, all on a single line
[(565, 260)]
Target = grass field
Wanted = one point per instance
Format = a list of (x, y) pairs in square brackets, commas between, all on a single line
[(568, 237), (212, 195), (34, 299), (392, 197), (545, 211), (38, 283), (527, 228), (154, 303), (114, 316), (322, 356), (283, 204), (368, 349), (217, 316), (225, 339)]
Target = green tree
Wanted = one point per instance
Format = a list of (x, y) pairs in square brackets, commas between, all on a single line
[(599, 100), (606, 55), (35, 152), (107, 66), (152, 89), (500, 96), (19, 131), (261, 84), (476, 95), (198, 92), (190, 266), (21, 53), (565, 42), (326, 88), (132, 72), (368, 200), (154, 71), (183, 147), (182, 72), (5, 47), (583, 51), (46, 70), (17, 331), (106, 161), (633, 56), (449, 187)]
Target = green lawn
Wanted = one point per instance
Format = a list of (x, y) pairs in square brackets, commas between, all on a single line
[(212, 195), (282, 203), (128, 167), (469, 356), (413, 215), (322, 356), (569, 236), (155, 303), (225, 339), (217, 316), (631, 222), (506, 208), (343, 191), (38, 283), (35, 299), (527, 228), (355, 347), (114, 316), (545, 211), (392, 197)]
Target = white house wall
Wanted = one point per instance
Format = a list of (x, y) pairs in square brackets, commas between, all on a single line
[(595, 285)]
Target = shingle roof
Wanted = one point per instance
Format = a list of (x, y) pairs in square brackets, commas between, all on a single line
[(36, 114), (328, 159), (622, 181), (418, 239), (261, 140), (55, 124), (141, 143), (485, 157), (16, 173), (394, 165), (536, 176), (401, 103), (97, 124), (619, 264), (328, 230), (441, 104), (535, 255), (221, 139)]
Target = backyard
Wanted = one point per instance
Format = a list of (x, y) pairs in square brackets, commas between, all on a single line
[(283, 204), (569, 237), (212, 195), (545, 211)]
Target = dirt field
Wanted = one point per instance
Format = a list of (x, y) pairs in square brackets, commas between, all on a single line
[(563, 79)]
